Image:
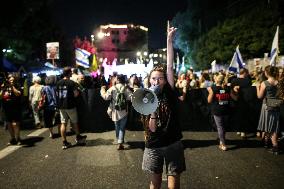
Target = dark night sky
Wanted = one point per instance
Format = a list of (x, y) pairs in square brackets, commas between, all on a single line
[(81, 17)]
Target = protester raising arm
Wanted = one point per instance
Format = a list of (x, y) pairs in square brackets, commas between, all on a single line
[(170, 56)]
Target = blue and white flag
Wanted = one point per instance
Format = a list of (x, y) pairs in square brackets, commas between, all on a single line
[(237, 61), (178, 64), (275, 48), (48, 64), (183, 68), (82, 57), (213, 66)]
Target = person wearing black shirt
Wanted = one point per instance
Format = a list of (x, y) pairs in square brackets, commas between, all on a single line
[(11, 99), (67, 91), (243, 83), (162, 130), (219, 98)]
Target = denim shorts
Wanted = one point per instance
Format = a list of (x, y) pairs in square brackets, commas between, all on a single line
[(172, 156)]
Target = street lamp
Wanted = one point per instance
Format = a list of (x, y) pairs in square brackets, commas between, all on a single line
[(6, 50), (92, 38)]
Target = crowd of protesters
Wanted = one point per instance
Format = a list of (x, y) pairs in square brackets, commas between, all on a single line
[(226, 93), (224, 89)]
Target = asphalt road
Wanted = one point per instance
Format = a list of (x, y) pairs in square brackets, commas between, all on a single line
[(41, 163)]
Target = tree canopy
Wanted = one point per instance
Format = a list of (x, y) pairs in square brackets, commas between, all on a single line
[(252, 30), (25, 27)]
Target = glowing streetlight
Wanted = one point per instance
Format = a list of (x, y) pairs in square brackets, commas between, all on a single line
[(92, 38), (100, 35), (7, 50), (138, 53)]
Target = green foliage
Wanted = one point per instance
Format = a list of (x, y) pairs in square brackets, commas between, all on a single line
[(253, 31), (25, 29)]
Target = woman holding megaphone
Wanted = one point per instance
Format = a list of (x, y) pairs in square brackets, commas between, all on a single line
[(162, 130)]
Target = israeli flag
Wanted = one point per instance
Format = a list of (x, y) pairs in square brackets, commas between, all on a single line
[(178, 64), (237, 61), (82, 57), (274, 49), (48, 64)]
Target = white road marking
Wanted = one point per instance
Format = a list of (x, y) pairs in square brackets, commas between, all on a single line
[(38, 132), (8, 150)]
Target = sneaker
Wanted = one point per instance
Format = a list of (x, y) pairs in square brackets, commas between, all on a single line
[(266, 143), (38, 126), (222, 147), (80, 139), (66, 145), (243, 136), (52, 136), (19, 142), (12, 141), (274, 150), (120, 147)]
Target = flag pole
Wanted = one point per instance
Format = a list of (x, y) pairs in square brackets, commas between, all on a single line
[(53, 62)]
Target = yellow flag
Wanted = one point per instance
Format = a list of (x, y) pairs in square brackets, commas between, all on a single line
[(26, 88), (94, 66)]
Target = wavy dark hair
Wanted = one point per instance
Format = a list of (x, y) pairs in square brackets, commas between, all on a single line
[(280, 88), (271, 71), (50, 80)]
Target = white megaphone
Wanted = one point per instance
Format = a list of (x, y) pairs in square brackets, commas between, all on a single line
[(144, 101)]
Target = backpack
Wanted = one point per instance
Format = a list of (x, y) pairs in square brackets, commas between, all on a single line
[(120, 99), (46, 99), (42, 101)]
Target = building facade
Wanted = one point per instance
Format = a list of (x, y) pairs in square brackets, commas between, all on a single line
[(120, 43)]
